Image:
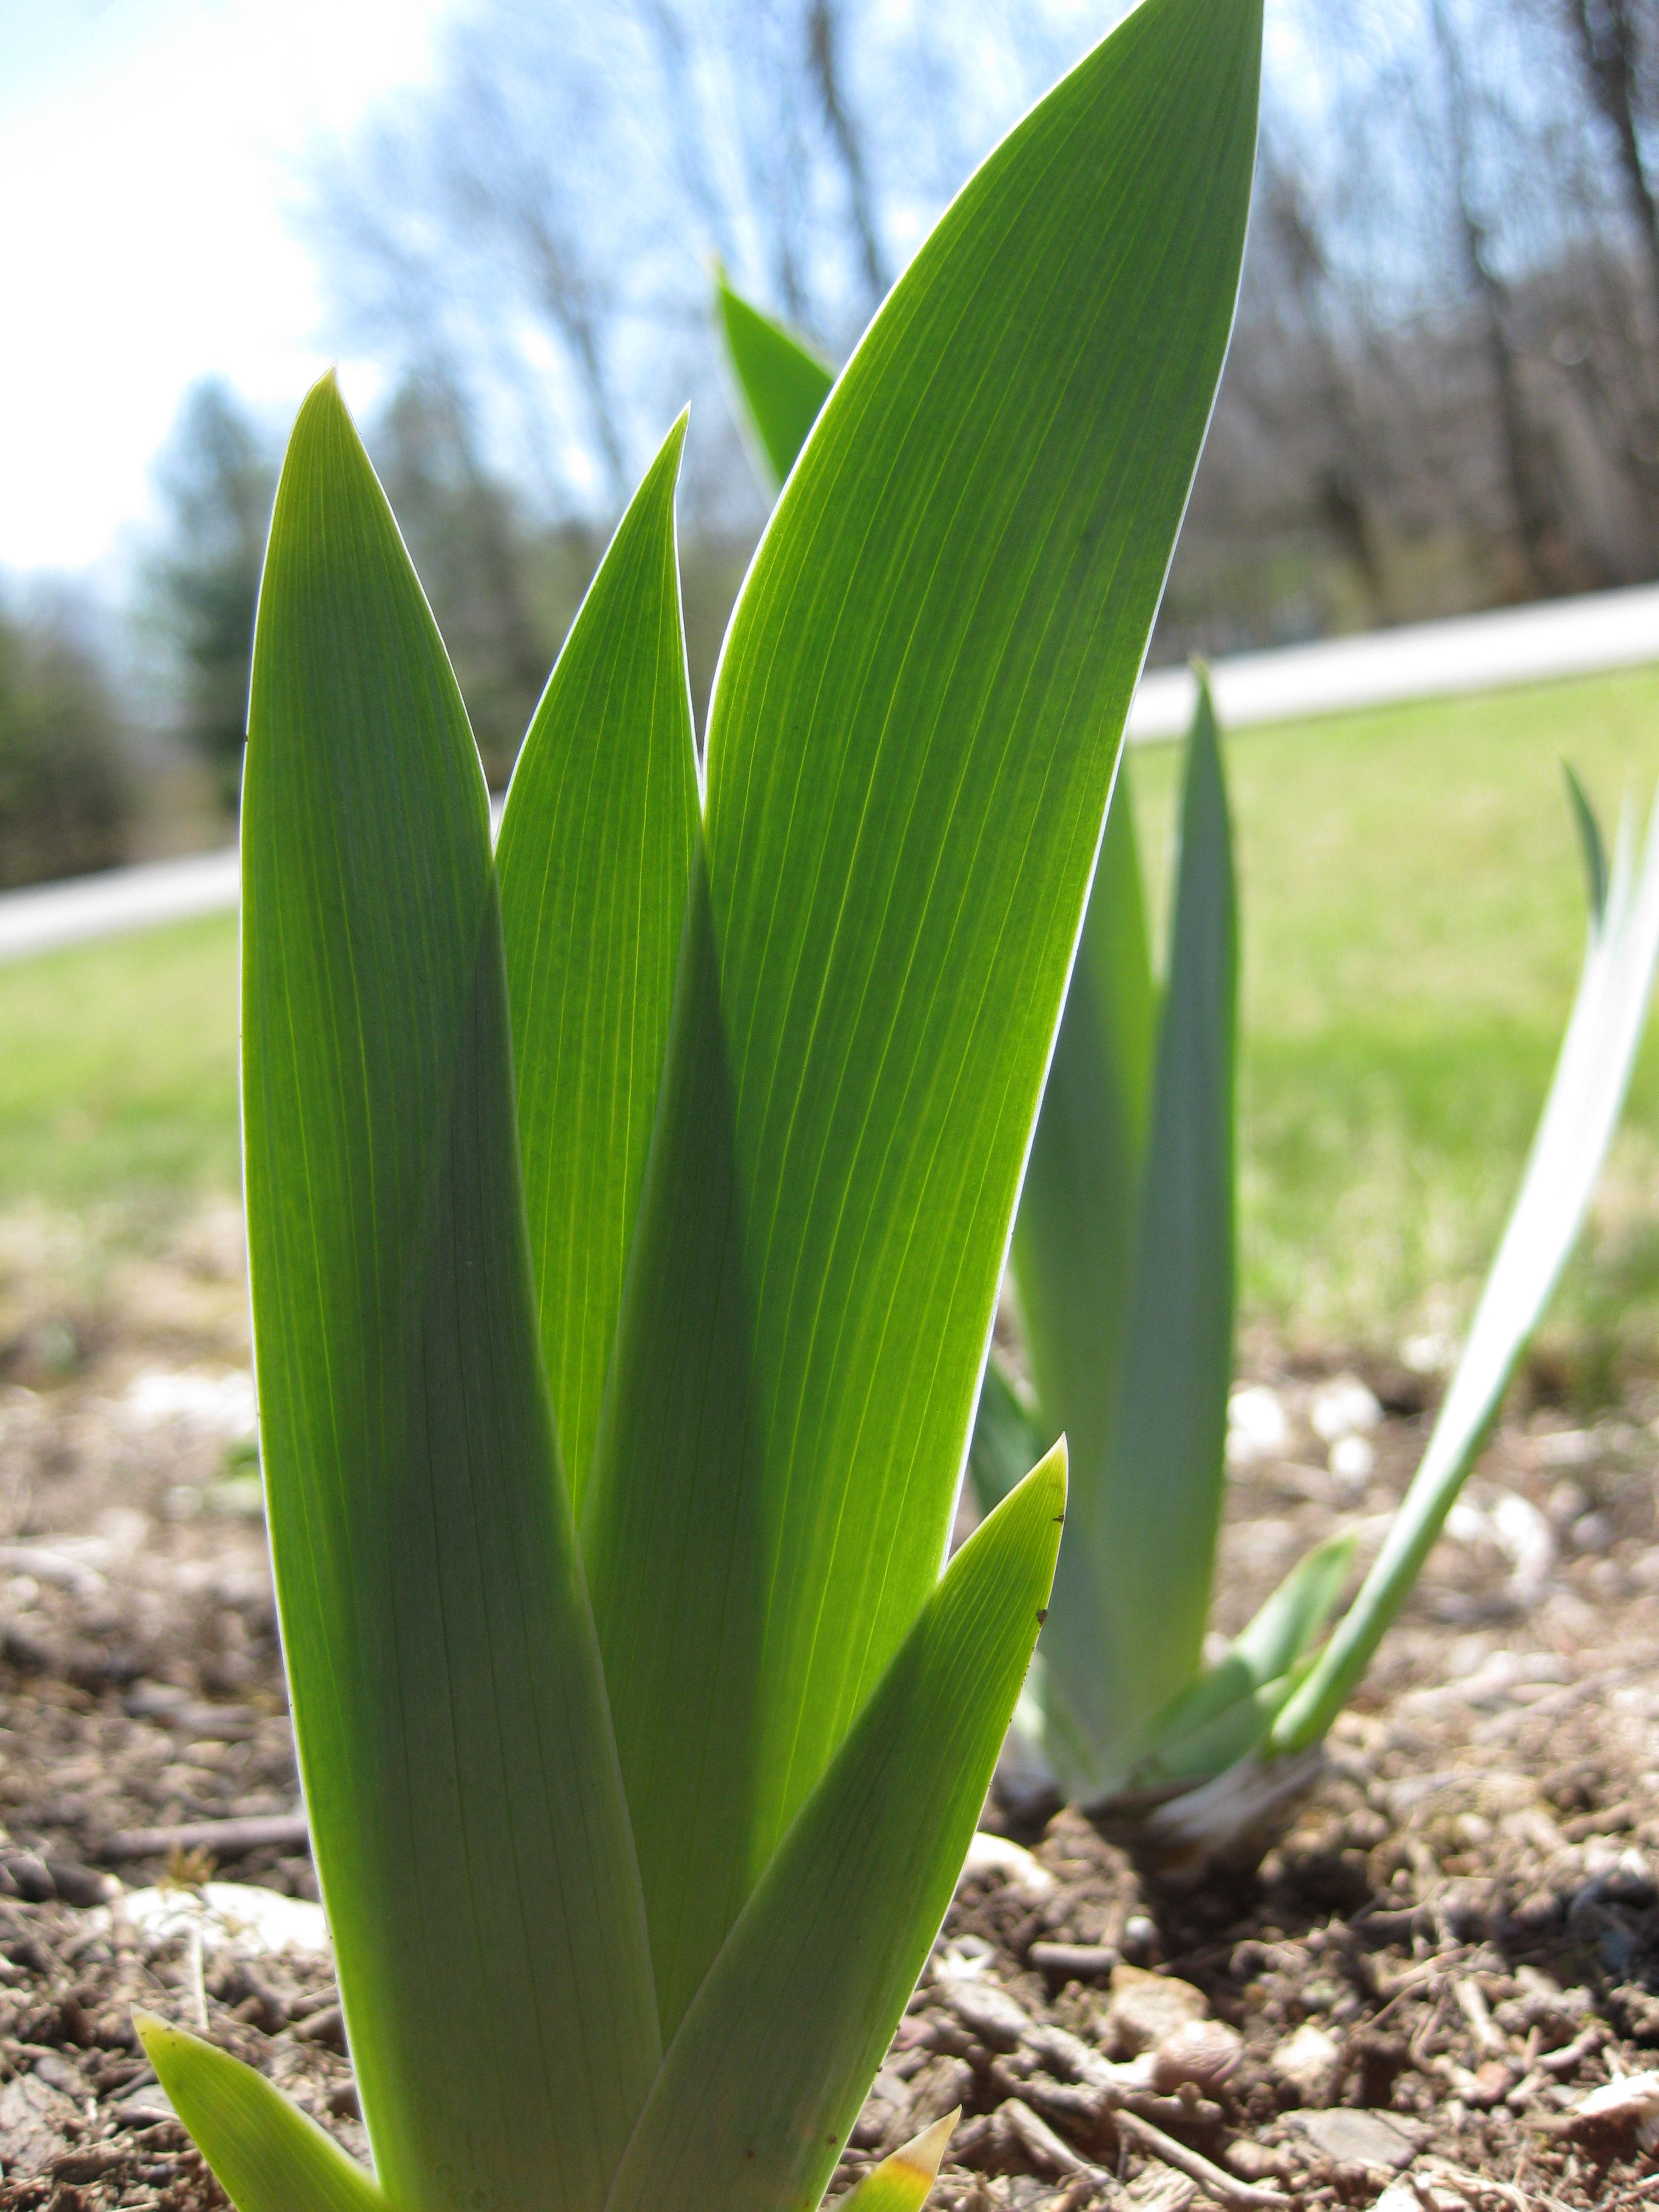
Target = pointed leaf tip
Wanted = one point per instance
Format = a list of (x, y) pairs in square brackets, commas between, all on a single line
[(901, 2181), (1591, 843), (267, 2154)]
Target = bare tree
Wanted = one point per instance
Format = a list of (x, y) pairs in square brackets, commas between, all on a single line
[(1536, 532), (543, 219), (1617, 41), (1443, 388)]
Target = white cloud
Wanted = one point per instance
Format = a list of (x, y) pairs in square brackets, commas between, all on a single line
[(148, 148)]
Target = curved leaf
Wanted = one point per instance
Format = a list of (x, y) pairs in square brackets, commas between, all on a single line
[(1227, 1711), (1581, 1113), (911, 745)]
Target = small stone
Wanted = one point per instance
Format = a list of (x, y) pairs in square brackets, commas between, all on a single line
[(29, 1879), (1139, 1933), (1493, 2080), (1146, 2009), (1630, 2101), (941, 2086), (1253, 2161), (1567, 1500), (81, 1886), (1345, 1408), (1540, 1910), (989, 1855), (1593, 1532), (987, 2011), (1397, 2197), (886, 2105), (1351, 1461), (1307, 2061), (1350, 2137), (32, 2116), (1158, 2190), (1203, 2052), (1257, 1427)]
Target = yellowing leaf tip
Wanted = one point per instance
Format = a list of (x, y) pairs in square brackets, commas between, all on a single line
[(925, 2154)]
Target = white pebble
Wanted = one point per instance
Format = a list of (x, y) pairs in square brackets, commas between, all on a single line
[(236, 1917), (1344, 1408), (988, 1853), (1257, 1426), (1352, 1460)]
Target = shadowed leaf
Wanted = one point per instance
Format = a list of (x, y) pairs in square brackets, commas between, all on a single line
[(267, 2155), (466, 1814)]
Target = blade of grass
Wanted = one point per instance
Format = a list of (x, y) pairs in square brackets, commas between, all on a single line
[(911, 743), (266, 2154), (595, 863), (767, 2074), (467, 1819), (781, 383), (1133, 1592), (1589, 843), (1580, 1115)]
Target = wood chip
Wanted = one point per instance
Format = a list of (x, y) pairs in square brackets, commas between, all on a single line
[(225, 1839), (1239, 2195), (1077, 1962), (1044, 2146)]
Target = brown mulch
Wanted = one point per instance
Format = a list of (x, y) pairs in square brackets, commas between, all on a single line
[(1456, 1943)]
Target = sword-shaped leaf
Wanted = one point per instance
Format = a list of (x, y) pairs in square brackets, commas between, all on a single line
[(911, 743), (781, 383), (1133, 1590), (595, 861), (267, 2155), (1075, 1237), (466, 1812), (1580, 1115), (763, 2081), (1007, 1439)]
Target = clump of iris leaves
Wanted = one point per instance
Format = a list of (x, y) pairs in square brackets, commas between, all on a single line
[(627, 1207)]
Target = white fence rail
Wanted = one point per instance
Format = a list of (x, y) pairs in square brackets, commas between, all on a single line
[(1425, 660)]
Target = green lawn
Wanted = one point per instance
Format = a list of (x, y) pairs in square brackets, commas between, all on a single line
[(1412, 918), (118, 1071)]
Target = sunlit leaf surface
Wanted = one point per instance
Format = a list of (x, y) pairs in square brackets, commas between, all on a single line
[(911, 743), (595, 860)]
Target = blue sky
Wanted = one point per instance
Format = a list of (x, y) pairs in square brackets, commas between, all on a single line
[(152, 154), (148, 150)]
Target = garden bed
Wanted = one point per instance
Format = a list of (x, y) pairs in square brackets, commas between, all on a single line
[(1453, 1946)]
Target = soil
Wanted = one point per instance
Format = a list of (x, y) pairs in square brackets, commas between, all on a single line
[(1410, 2004)]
